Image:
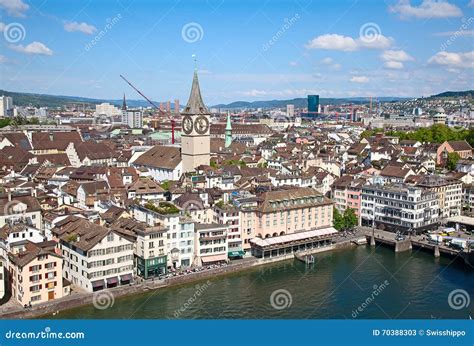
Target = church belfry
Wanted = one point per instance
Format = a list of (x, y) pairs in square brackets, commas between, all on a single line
[(195, 138)]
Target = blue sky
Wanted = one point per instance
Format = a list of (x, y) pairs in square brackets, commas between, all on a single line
[(246, 50)]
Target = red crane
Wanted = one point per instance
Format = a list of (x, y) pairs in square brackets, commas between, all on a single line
[(156, 107)]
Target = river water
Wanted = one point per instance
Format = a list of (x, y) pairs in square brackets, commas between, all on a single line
[(361, 283)]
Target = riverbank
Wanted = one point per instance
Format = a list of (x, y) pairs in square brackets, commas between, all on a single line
[(81, 299)]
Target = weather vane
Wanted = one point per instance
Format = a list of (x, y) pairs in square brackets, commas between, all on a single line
[(195, 62)]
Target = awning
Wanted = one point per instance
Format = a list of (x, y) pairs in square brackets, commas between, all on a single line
[(111, 281), (98, 283), (215, 258), (236, 253), (126, 277)]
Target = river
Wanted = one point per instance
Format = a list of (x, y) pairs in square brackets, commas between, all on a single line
[(362, 283)]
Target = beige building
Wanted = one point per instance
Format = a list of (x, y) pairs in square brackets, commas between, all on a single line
[(36, 273), (449, 193), (283, 212), (195, 139)]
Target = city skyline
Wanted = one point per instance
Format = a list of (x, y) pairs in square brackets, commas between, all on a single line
[(274, 50)]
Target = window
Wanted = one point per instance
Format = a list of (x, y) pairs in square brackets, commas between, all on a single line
[(110, 237)]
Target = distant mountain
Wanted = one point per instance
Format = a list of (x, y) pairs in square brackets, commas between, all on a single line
[(303, 102), (53, 101), (466, 93)]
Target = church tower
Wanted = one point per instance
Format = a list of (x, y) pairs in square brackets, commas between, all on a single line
[(228, 131), (195, 138)]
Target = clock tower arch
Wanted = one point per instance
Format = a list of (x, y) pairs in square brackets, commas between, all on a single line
[(195, 137)]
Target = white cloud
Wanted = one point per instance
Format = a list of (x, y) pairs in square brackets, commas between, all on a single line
[(14, 8), (332, 42), (456, 33), (471, 3), (80, 27), (396, 55), (33, 48), (453, 60), (3, 59), (347, 44), (427, 9), (396, 65), (2, 26), (359, 79), (293, 63), (327, 61)]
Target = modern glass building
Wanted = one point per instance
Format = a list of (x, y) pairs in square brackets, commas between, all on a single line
[(313, 103)]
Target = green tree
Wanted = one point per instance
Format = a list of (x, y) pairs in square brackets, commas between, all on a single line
[(350, 218), (452, 161), (338, 220)]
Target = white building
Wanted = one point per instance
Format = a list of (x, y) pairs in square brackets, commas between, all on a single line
[(107, 109), (133, 118), (6, 106), (290, 111), (163, 163), (211, 243), (94, 257), (180, 235), (399, 207)]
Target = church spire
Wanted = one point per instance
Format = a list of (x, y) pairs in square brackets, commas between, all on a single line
[(228, 131), (124, 104), (195, 103)]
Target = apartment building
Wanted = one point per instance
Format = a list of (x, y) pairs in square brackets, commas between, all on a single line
[(401, 207), (346, 192), (180, 235), (36, 274), (449, 193), (228, 214), (211, 243), (150, 246), (95, 257)]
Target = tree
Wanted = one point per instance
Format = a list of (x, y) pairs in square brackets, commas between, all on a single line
[(452, 161), (338, 220), (350, 218)]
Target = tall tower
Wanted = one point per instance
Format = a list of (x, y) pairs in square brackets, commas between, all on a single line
[(228, 131), (195, 140)]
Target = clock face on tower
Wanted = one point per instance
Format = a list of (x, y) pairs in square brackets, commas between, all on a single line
[(187, 124), (201, 124)]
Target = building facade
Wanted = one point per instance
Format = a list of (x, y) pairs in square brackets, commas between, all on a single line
[(399, 207)]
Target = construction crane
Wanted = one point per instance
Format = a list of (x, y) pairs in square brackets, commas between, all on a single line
[(173, 123)]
